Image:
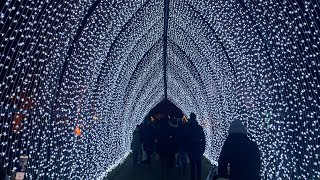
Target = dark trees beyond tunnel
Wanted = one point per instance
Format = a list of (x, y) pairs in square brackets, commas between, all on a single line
[(166, 108)]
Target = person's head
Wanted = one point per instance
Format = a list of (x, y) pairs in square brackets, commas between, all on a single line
[(137, 127), (237, 127), (193, 118)]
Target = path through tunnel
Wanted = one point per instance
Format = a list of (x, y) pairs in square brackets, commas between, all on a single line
[(76, 77)]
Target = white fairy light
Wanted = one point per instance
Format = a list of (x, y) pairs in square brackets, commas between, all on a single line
[(257, 61)]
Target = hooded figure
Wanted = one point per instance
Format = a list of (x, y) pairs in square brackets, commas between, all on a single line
[(239, 155)]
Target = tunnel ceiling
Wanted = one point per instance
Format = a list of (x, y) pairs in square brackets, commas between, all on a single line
[(78, 76)]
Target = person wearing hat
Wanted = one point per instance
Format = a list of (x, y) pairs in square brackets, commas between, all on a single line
[(240, 157)]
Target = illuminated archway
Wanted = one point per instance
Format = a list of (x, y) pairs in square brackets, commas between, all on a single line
[(96, 68)]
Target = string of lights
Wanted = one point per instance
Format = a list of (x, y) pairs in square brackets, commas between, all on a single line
[(76, 77)]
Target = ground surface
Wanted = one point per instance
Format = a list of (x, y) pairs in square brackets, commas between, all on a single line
[(127, 171)]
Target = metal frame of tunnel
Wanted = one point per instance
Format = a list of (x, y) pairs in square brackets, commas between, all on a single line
[(216, 36), (166, 10), (194, 42), (140, 61), (146, 52), (75, 39), (90, 11), (175, 45), (124, 27), (113, 44)]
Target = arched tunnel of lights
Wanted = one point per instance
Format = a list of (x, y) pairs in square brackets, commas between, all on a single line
[(96, 68)]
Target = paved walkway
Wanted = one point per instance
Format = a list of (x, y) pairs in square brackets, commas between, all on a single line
[(127, 171)]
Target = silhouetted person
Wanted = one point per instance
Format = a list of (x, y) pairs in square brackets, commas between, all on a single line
[(3, 175), (240, 154), (196, 146), (136, 145), (182, 147), (165, 138), (173, 123), (148, 141)]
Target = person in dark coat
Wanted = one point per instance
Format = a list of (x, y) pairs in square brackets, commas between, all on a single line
[(136, 145), (173, 123), (3, 175), (181, 139), (240, 154), (165, 138), (148, 141), (196, 146)]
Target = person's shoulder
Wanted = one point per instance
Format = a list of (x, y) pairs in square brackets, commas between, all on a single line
[(200, 128), (253, 145), (228, 140)]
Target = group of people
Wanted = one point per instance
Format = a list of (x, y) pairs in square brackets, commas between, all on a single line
[(174, 141)]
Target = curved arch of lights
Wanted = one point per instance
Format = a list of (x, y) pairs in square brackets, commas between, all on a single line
[(97, 67)]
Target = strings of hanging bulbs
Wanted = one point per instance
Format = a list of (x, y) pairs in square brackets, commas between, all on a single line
[(76, 80)]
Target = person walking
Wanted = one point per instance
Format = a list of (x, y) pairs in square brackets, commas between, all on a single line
[(148, 142), (136, 145), (182, 147), (196, 146), (239, 155), (165, 139)]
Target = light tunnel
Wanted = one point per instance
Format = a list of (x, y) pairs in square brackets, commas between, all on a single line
[(78, 76)]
